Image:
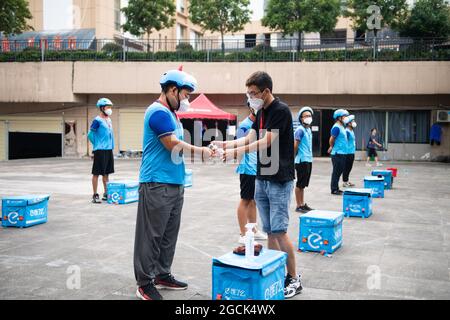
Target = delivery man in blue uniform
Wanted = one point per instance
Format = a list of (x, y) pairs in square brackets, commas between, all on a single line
[(161, 190), (101, 135), (350, 124), (338, 149), (303, 157)]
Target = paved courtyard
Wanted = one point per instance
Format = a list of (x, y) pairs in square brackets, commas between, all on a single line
[(406, 242)]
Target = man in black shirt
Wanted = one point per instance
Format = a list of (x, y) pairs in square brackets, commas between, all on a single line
[(272, 136)]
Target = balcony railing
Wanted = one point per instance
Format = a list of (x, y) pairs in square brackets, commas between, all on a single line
[(207, 50)]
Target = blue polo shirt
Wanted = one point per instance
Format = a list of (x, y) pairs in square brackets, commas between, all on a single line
[(158, 163), (351, 146), (103, 134), (304, 152), (249, 160), (340, 143)]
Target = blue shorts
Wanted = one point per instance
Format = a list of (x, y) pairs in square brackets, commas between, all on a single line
[(273, 200)]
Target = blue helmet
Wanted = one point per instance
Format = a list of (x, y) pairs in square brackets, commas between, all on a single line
[(349, 119), (340, 113), (304, 109), (180, 79), (103, 102)]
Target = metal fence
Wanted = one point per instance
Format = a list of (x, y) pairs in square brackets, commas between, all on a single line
[(208, 50)]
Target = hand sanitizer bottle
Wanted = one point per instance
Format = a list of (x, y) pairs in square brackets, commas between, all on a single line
[(249, 242)]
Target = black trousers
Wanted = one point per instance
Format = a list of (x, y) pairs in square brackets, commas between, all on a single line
[(157, 226), (338, 161), (349, 159)]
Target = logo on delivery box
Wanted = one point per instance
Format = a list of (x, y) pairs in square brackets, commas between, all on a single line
[(13, 217)]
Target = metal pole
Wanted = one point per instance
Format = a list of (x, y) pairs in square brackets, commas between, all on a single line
[(124, 50), (374, 48), (42, 50)]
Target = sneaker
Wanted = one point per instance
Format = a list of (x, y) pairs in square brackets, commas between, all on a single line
[(260, 235), (148, 292), (292, 286), (170, 283), (379, 164), (368, 165), (337, 192), (96, 198), (303, 209), (105, 197), (242, 240), (348, 184)]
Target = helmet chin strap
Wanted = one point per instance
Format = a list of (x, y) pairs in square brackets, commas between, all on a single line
[(179, 102)]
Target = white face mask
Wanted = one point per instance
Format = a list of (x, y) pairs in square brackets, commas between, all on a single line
[(108, 112), (354, 125), (255, 103), (308, 121), (184, 105)]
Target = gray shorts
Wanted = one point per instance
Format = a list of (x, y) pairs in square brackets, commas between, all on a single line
[(273, 200)]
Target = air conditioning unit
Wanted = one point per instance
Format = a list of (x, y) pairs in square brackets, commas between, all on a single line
[(443, 116)]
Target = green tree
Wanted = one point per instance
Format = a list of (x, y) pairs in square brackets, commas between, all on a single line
[(144, 16), (220, 15), (368, 15), (13, 16), (428, 19), (298, 16)]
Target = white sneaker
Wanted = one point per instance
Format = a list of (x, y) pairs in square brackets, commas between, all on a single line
[(260, 235), (293, 288), (242, 240), (349, 184)]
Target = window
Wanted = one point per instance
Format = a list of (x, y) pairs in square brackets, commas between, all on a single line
[(250, 40), (117, 15), (409, 127), (336, 36), (367, 120), (180, 6), (181, 32)]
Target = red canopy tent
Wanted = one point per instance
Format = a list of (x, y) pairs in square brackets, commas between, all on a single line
[(203, 108)]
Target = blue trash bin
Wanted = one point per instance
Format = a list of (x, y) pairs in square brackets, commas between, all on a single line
[(24, 211), (376, 183), (357, 203), (123, 192), (320, 231), (388, 178), (233, 278)]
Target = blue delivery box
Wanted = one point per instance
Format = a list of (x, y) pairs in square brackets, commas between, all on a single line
[(188, 178), (123, 192), (262, 278), (321, 231), (376, 183), (388, 178), (24, 211), (358, 203)]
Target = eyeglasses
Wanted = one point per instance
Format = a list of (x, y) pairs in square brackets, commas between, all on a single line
[(251, 95)]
